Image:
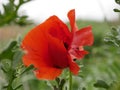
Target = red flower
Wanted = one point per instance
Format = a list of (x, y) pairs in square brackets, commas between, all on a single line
[(51, 47)]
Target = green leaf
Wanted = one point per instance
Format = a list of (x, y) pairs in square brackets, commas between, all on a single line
[(113, 37), (5, 65), (28, 69), (58, 80), (116, 10), (23, 21), (18, 87), (62, 83), (8, 53), (101, 84), (17, 58), (114, 31)]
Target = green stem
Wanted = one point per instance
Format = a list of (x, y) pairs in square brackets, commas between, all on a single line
[(70, 81)]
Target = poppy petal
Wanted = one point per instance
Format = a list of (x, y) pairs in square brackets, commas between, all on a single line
[(57, 52), (71, 16), (37, 61), (48, 73), (58, 29), (77, 54), (36, 52), (74, 68), (83, 37)]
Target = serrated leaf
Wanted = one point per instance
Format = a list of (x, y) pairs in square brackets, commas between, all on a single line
[(101, 84)]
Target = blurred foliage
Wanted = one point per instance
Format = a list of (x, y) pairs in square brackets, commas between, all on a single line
[(101, 84), (114, 86), (10, 13), (12, 67), (113, 37)]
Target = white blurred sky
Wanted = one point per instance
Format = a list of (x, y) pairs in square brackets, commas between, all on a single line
[(39, 10)]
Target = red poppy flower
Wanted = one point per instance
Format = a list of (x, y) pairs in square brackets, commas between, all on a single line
[(51, 47)]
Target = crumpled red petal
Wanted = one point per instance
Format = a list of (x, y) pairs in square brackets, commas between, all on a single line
[(83, 37), (77, 54)]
